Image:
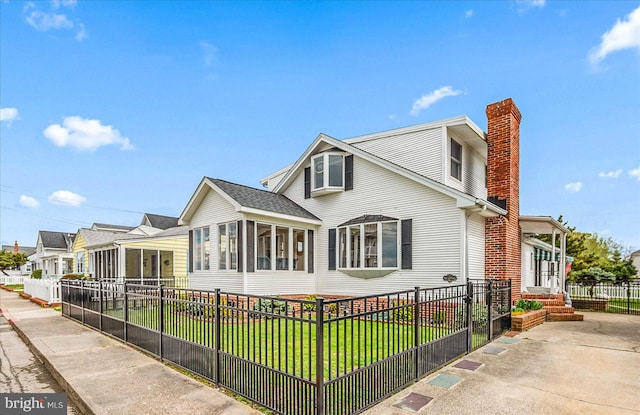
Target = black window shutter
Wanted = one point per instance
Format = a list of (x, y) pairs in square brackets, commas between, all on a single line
[(190, 255), (332, 249), (406, 243), (348, 173), (307, 182), (240, 245), (310, 251), (251, 266)]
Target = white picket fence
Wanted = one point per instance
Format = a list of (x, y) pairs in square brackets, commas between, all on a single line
[(47, 290), (12, 279)]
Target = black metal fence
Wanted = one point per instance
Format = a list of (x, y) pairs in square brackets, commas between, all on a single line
[(621, 298), (298, 356)]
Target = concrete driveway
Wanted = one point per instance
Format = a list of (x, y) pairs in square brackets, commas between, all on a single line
[(588, 367)]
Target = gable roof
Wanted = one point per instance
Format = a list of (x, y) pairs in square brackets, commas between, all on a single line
[(249, 200), (56, 240), (27, 250), (159, 221), (464, 200)]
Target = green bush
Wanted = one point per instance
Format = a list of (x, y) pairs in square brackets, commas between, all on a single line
[(404, 312), (37, 274), (517, 310), (529, 304), (307, 306), (439, 317), (271, 306), (479, 315)]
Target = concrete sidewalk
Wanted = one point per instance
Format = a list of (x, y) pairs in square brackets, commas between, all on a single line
[(104, 376), (588, 367)]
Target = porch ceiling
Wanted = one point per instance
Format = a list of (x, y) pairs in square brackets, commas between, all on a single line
[(540, 225)]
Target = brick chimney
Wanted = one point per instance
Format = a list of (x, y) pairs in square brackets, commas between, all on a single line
[(502, 234), (16, 249)]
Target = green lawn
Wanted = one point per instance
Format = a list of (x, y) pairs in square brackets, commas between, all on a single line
[(289, 344), (16, 287)]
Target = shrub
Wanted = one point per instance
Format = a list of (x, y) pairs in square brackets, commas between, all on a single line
[(309, 307), (439, 317), (271, 306), (37, 274), (517, 310), (404, 312), (479, 315), (529, 304)]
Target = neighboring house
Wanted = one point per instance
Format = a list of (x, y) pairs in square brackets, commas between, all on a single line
[(27, 250), (635, 260), (159, 221), (142, 252), (54, 253), (380, 212)]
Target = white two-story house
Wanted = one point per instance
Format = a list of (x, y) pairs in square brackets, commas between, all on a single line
[(380, 212)]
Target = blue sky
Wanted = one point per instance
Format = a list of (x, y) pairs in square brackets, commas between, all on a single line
[(113, 109)]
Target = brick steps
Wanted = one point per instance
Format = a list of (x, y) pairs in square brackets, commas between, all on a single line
[(559, 309), (565, 317), (554, 308)]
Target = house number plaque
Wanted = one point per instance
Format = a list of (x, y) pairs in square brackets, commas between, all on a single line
[(449, 278)]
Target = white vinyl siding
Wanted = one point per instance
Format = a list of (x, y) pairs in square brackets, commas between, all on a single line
[(475, 235), (419, 151), (436, 243), (215, 210), (473, 169)]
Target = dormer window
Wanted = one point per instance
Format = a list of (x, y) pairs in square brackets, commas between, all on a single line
[(328, 173)]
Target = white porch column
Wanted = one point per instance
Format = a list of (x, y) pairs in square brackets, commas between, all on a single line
[(563, 261), (554, 286)]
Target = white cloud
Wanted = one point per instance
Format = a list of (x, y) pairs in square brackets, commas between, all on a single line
[(635, 173), (524, 5), (66, 198), (9, 114), (468, 13), (29, 202), (209, 51), (610, 175), (85, 134), (573, 187), (625, 34), (431, 98), (82, 33), (54, 18)]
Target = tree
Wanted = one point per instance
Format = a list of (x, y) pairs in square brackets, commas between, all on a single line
[(11, 260), (590, 277), (589, 250)]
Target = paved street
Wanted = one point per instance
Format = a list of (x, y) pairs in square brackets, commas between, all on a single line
[(20, 370)]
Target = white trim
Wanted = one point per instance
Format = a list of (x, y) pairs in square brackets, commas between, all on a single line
[(279, 216)]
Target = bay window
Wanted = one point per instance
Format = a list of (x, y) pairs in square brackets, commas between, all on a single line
[(368, 245)]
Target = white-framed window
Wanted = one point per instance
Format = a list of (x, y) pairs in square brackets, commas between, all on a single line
[(456, 159), (369, 245), (201, 249), (327, 172), (228, 246), (280, 248), (80, 262)]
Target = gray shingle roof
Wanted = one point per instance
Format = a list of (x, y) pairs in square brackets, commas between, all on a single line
[(27, 250), (57, 240), (106, 227), (160, 221), (368, 219), (262, 199)]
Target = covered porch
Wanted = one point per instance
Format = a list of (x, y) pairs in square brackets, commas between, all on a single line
[(543, 263)]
